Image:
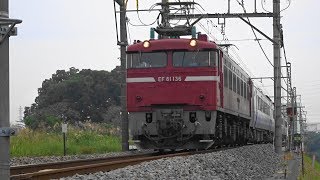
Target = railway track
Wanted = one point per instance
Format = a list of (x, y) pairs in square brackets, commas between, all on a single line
[(70, 168)]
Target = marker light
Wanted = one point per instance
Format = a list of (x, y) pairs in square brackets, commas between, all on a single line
[(193, 42), (146, 44)]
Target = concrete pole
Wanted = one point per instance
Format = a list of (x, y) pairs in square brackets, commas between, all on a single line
[(123, 46), (277, 75), (4, 98)]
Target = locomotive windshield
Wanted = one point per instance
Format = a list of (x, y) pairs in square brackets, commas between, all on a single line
[(146, 59), (195, 58)]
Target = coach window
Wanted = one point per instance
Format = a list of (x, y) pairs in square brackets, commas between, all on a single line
[(146, 60), (195, 58)]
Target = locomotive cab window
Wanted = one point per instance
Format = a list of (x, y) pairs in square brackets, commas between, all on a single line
[(146, 60), (195, 58)]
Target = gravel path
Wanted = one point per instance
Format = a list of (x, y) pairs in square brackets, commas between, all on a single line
[(250, 162)]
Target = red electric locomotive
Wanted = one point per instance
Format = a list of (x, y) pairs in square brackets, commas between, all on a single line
[(187, 94)]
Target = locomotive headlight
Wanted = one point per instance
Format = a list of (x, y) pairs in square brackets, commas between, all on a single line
[(148, 117), (146, 44), (193, 42)]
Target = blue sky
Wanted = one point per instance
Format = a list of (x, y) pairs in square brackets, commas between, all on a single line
[(59, 34)]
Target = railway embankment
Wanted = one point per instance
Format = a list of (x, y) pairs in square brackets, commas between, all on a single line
[(247, 162)]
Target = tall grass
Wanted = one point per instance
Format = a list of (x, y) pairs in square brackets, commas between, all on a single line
[(88, 140), (309, 172)]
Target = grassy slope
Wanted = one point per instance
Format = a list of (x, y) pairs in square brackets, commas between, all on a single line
[(33, 143)]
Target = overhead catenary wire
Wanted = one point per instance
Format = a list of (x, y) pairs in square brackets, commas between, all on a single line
[(225, 38), (245, 11), (235, 55), (254, 33)]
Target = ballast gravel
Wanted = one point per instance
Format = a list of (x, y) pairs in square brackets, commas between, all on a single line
[(248, 162), (46, 159)]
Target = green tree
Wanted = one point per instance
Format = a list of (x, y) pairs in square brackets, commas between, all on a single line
[(74, 96)]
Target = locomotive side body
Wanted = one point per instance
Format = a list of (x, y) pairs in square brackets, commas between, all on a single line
[(236, 89)]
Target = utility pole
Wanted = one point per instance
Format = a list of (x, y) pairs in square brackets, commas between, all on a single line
[(4, 98), (277, 75), (123, 97), (6, 30)]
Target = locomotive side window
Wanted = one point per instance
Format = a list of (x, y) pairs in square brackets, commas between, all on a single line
[(245, 90), (225, 76), (248, 92), (238, 85), (146, 60), (195, 58), (241, 87), (234, 82), (230, 79)]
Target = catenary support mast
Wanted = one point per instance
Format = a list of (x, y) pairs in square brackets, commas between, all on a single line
[(123, 96), (7, 29), (123, 45), (4, 97), (277, 75)]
